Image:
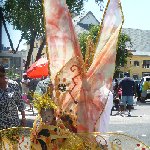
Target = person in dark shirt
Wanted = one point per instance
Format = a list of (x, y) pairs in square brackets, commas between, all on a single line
[(128, 90)]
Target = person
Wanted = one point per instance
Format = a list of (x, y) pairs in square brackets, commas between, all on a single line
[(10, 102), (127, 85), (25, 90), (25, 84), (139, 90), (51, 131), (115, 87), (42, 87)]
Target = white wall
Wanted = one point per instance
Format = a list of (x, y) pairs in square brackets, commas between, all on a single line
[(89, 19)]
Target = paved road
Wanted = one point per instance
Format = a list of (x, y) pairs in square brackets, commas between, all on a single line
[(137, 126)]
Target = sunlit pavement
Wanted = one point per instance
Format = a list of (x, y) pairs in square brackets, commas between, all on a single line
[(30, 116), (138, 125)]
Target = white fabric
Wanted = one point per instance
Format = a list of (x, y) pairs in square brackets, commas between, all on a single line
[(105, 116)]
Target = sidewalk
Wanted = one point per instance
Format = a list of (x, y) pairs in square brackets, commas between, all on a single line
[(30, 116)]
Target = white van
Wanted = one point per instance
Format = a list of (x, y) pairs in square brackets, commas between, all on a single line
[(145, 78)]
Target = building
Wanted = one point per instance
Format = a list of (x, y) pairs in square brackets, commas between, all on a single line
[(12, 62), (140, 39), (139, 64), (84, 21)]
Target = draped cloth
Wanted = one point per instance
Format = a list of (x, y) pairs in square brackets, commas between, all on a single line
[(80, 93), (103, 125)]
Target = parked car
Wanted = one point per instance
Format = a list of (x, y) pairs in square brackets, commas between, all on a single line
[(145, 89)]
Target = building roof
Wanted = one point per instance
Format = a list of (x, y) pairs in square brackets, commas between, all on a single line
[(140, 39), (139, 53), (83, 21)]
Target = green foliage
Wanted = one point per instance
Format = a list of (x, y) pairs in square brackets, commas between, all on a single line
[(93, 32), (11, 74), (75, 6), (122, 53), (26, 16), (82, 41)]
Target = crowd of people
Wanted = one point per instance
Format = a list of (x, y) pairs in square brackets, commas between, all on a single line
[(124, 92), (14, 99)]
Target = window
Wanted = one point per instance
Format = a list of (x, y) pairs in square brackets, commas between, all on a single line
[(135, 77), (146, 63), (136, 63)]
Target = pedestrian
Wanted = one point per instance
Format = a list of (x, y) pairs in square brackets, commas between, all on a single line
[(10, 102), (139, 90), (25, 90), (127, 85), (25, 84), (115, 87)]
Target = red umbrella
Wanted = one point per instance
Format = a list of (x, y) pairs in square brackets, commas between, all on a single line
[(38, 69)]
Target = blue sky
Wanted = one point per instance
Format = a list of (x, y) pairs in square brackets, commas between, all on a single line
[(136, 15)]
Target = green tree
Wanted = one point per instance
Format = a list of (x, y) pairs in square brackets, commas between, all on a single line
[(122, 53), (93, 32), (75, 6), (27, 16)]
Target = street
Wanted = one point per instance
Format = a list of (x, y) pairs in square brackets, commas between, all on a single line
[(138, 125)]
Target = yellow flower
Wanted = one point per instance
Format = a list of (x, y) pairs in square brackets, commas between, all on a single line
[(44, 101)]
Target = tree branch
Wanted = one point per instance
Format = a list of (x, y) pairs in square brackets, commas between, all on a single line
[(38, 56), (8, 35)]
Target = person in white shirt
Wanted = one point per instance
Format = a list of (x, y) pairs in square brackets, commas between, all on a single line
[(25, 89), (25, 84)]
